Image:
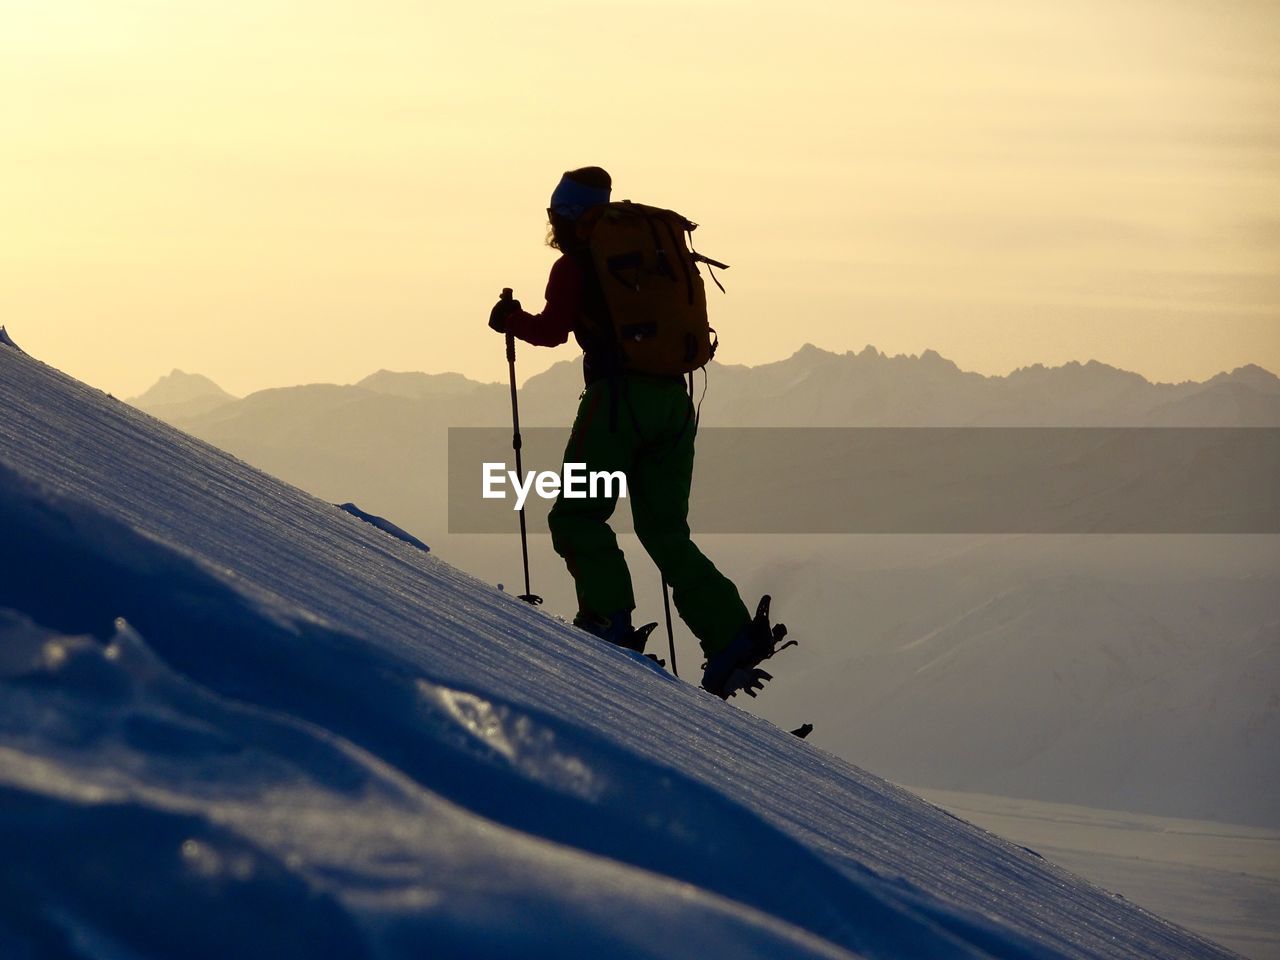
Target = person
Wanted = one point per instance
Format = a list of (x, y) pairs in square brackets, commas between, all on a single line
[(644, 426)]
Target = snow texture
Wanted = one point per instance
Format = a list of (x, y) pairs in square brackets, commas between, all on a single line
[(234, 722)]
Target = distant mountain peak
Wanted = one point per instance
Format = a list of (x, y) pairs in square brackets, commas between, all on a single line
[(178, 386), (1092, 370), (418, 386), (933, 360), (812, 353), (1253, 370), (809, 351), (1251, 375)]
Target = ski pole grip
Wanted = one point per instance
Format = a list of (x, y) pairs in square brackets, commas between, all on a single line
[(511, 340)]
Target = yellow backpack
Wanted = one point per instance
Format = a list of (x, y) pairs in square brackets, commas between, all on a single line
[(651, 285)]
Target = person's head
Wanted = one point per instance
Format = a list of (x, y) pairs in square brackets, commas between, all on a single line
[(578, 191)]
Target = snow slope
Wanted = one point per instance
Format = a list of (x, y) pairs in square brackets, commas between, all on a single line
[(236, 721)]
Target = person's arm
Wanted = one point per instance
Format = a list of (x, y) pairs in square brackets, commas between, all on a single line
[(552, 326)]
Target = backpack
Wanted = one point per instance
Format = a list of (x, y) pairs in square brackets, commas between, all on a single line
[(652, 288)]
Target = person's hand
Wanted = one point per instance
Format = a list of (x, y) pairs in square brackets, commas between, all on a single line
[(501, 310)]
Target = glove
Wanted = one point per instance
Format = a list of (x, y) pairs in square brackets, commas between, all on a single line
[(498, 315)]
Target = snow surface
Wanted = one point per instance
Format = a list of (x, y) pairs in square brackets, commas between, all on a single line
[(1221, 880), (236, 721)]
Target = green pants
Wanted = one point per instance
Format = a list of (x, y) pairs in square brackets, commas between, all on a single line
[(642, 426)]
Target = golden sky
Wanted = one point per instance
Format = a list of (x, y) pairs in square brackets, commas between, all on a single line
[(273, 192)]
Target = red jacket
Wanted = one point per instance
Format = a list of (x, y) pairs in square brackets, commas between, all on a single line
[(560, 316), (573, 298)]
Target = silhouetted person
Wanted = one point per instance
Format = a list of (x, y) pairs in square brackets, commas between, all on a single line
[(644, 426)]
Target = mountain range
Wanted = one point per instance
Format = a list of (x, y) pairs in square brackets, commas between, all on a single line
[(814, 387)]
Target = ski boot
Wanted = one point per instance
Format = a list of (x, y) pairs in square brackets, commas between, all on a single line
[(618, 631), (737, 667)]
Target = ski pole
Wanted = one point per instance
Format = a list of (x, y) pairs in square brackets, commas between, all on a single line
[(671, 637), (528, 596)]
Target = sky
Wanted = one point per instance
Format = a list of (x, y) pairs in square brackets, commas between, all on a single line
[(278, 192)]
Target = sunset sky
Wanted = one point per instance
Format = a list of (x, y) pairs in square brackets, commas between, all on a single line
[(276, 192)]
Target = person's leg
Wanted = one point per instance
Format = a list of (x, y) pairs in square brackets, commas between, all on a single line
[(580, 531), (707, 600)]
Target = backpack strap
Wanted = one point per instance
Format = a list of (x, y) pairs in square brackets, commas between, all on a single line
[(699, 258)]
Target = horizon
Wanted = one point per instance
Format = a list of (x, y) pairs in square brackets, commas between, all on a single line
[(288, 193), (882, 354)]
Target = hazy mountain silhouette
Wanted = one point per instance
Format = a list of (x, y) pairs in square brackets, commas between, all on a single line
[(1128, 672), (178, 395), (421, 386), (816, 388)]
